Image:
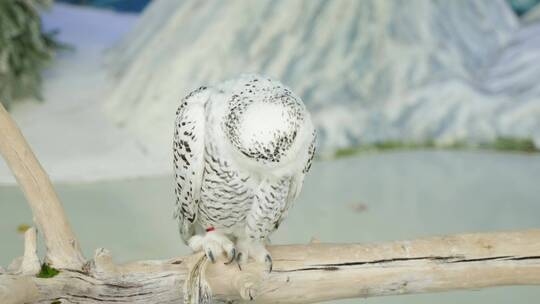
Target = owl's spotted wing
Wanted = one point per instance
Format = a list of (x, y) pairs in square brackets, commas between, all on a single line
[(273, 199), (188, 153), (297, 181)]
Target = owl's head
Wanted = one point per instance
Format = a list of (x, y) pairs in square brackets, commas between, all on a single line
[(264, 120)]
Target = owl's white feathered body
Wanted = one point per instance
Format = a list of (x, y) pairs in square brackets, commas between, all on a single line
[(241, 150)]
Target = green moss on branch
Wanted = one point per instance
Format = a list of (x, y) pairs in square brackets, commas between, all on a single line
[(47, 271)]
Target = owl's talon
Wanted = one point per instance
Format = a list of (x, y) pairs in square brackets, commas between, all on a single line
[(268, 262), (239, 260), (232, 256), (210, 256), (213, 244)]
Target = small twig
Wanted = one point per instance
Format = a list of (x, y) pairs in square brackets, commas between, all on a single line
[(30, 264), (196, 289)]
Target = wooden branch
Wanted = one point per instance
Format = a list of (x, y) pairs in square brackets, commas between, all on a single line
[(310, 273), (30, 263), (63, 249)]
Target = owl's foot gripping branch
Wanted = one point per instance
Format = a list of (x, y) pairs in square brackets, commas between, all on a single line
[(301, 273)]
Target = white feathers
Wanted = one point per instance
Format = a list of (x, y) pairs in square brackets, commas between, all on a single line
[(262, 121), (241, 152), (188, 154)]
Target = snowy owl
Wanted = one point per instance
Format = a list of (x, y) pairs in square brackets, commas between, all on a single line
[(241, 151)]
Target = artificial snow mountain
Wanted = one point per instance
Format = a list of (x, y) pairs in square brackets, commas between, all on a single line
[(417, 70)]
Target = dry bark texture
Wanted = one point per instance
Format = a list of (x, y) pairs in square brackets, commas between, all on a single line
[(304, 273)]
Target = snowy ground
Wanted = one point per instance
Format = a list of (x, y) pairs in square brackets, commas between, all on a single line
[(69, 133)]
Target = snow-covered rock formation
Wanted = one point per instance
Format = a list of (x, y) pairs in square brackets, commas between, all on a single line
[(369, 70)]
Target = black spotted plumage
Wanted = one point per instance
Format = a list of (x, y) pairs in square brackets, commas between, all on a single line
[(241, 151)]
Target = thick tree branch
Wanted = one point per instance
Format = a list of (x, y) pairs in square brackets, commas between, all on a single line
[(309, 273), (62, 247)]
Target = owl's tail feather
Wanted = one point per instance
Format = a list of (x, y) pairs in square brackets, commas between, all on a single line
[(196, 288)]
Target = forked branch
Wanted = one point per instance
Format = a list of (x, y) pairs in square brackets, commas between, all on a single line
[(62, 247)]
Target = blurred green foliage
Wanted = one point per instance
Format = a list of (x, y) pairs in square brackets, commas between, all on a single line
[(120, 5), (508, 144), (513, 144), (24, 49), (522, 6)]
